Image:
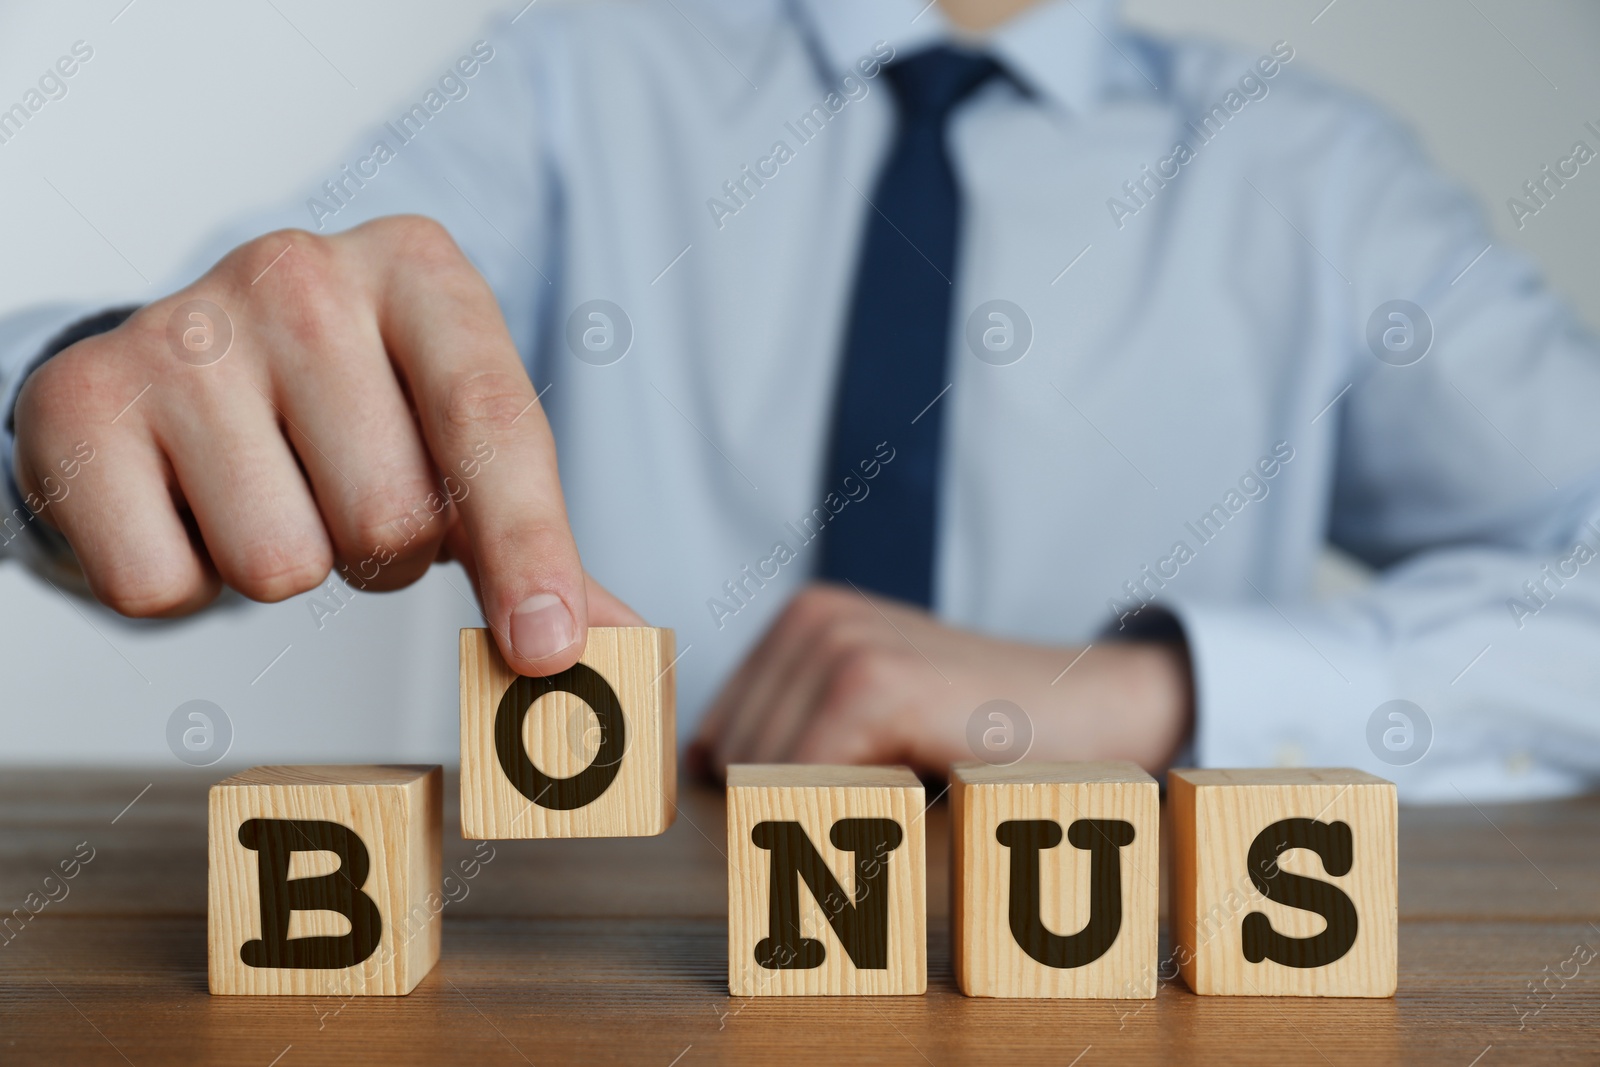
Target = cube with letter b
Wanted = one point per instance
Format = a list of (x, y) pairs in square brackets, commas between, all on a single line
[(589, 752), (1057, 887), (324, 880), (1285, 882), (827, 881)]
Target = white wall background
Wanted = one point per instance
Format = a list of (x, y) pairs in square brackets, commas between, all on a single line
[(191, 112)]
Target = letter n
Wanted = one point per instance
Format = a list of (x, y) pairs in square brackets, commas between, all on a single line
[(862, 925)]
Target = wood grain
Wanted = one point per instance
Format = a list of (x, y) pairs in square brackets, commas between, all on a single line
[(1216, 815), (817, 798), (394, 813), (563, 738), (615, 951), (988, 960)]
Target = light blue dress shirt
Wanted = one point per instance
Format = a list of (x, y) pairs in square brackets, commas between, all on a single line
[(1177, 364)]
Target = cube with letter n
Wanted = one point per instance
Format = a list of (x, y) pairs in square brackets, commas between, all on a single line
[(324, 881), (1285, 882), (827, 881)]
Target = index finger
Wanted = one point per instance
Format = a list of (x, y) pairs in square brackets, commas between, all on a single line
[(488, 436)]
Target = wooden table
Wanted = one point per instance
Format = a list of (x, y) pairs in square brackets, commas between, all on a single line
[(615, 952)]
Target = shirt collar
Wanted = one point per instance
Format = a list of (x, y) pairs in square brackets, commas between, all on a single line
[(1063, 50)]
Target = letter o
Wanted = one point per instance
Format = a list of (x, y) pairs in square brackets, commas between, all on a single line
[(583, 788)]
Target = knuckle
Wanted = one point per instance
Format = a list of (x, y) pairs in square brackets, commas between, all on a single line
[(142, 336), (387, 518), (537, 549), (299, 250), (819, 607), (839, 640), (424, 249), (49, 394), (77, 383), (296, 271), (420, 237), (812, 606), (278, 571), (858, 676), (147, 588), (485, 401)]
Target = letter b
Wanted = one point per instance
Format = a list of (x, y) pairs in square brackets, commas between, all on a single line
[(275, 840)]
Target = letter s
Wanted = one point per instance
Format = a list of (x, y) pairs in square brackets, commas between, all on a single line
[(1334, 843)]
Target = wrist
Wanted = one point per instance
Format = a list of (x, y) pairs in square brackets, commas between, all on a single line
[(1153, 684)]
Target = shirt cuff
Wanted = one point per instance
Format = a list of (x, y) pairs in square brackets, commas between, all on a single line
[(1276, 690)]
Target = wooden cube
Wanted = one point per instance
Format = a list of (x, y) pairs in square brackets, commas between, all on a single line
[(589, 752), (324, 880), (1285, 882), (1056, 873), (827, 881)]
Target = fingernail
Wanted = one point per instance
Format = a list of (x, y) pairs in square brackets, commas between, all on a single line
[(541, 626)]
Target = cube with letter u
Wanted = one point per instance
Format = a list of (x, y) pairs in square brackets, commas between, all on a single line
[(1056, 881)]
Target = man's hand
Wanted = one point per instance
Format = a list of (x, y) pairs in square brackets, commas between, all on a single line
[(846, 678), (370, 410)]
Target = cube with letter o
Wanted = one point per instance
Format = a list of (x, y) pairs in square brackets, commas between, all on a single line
[(588, 752)]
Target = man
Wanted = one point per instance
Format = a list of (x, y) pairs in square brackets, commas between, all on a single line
[(980, 352)]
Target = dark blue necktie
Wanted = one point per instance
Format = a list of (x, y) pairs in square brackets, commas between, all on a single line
[(899, 337)]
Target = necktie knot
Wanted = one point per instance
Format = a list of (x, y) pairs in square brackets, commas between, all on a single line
[(932, 82)]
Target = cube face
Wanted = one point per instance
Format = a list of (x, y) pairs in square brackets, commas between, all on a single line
[(806, 843), (1234, 929), (591, 752), (1038, 850), (324, 881)]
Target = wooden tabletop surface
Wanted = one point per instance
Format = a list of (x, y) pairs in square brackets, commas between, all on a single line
[(614, 951)]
